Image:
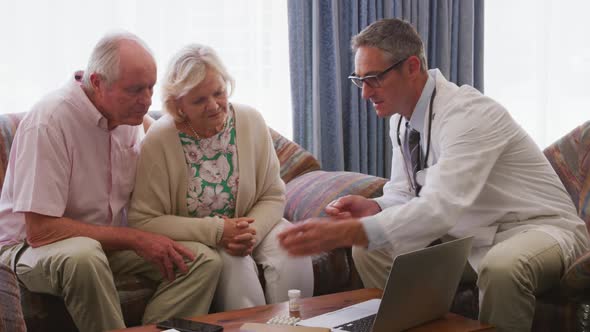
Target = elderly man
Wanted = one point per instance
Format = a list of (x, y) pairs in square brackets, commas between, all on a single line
[(70, 175), (461, 167)]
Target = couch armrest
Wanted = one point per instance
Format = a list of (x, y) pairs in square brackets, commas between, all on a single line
[(308, 194), (11, 316)]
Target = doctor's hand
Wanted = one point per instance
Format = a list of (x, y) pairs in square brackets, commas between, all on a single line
[(238, 237), (318, 235), (354, 206)]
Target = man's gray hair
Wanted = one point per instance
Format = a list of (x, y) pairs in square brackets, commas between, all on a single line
[(186, 70), (104, 59), (397, 38)]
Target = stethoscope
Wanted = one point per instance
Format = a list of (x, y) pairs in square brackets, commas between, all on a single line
[(420, 176)]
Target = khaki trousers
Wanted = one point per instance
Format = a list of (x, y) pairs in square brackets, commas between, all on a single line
[(508, 278), (79, 271)]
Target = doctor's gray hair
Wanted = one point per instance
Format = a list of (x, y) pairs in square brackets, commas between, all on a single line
[(187, 68), (397, 38), (104, 59)]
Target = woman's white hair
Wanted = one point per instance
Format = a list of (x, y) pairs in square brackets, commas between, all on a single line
[(187, 68), (104, 59)]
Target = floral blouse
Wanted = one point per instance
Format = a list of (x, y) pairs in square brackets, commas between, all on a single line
[(212, 165)]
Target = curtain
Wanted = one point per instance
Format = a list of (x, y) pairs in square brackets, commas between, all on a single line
[(329, 117)]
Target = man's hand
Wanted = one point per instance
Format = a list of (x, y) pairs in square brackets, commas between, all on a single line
[(164, 253), (352, 206), (238, 237), (317, 235), (155, 248)]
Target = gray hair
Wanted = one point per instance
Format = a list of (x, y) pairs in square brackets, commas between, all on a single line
[(104, 59), (186, 70), (397, 38)]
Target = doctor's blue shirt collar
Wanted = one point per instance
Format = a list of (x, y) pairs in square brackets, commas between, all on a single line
[(421, 109)]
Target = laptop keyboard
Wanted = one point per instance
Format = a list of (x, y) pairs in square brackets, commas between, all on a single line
[(360, 325)]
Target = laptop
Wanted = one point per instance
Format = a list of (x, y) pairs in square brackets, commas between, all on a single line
[(420, 288)]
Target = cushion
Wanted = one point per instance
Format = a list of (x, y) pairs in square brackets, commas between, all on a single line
[(308, 194), (294, 159)]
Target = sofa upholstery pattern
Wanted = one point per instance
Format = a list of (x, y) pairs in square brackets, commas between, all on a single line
[(568, 308), (570, 157)]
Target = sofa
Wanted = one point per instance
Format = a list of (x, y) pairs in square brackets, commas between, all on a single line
[(309, 190)]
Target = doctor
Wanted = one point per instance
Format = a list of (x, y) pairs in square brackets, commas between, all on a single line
[(461, 167)]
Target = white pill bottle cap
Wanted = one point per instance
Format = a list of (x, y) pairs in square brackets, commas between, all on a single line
[(294, 293)]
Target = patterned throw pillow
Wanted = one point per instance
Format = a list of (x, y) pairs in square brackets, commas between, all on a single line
[(294, 159), (308, 194)]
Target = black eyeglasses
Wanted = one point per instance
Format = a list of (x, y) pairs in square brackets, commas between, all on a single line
[(374, 81)]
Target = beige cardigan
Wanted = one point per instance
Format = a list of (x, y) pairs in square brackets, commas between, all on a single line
[(159, 202)]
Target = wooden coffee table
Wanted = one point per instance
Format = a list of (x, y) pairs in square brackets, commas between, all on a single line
[(313, 306)]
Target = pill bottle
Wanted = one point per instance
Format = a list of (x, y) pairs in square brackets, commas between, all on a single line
[(294, 304)]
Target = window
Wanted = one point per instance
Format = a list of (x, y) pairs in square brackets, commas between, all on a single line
[(537, 63), (44, 42)]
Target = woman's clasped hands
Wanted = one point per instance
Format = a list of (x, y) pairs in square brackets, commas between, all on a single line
[(238, 237)]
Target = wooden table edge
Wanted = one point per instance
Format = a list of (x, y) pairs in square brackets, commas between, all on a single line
[(313, 306)]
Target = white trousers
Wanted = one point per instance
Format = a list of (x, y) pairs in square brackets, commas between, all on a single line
[(239, 286)]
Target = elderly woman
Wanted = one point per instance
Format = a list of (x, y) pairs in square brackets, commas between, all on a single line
[(208, 172)]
